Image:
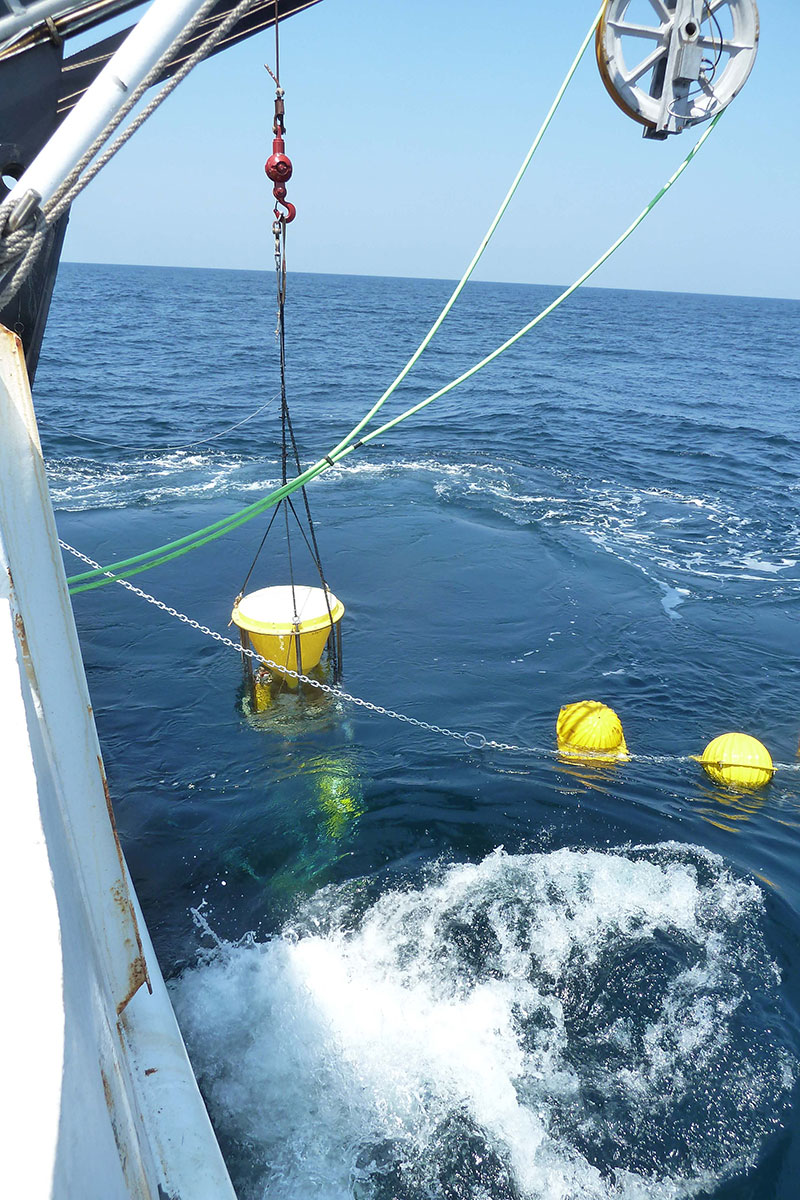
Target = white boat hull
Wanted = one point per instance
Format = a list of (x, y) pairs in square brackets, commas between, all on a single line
[(104, 1101)]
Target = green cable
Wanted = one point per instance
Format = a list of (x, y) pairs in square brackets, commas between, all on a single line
[(555, 303), (378, 405), (198, 538), (267, 502), (183, 545)]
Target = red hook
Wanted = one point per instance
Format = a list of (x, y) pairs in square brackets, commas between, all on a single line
[(291, 211), (279, 169)]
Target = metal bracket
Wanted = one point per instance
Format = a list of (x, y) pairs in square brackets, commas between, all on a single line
[(681, 68)]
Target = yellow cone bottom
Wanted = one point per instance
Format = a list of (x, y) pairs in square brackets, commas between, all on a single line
[(268, 618), (591, 729), (738, 760)]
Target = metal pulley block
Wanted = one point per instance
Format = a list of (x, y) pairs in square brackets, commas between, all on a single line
[(674, 63)]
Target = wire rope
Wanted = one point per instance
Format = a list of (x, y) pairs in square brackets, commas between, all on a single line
[(213, 437), (161, 554), (472, 739), (20, 248), (378, 405), (92, 579), (353, 434), (484, 362)]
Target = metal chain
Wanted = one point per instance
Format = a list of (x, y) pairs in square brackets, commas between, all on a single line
[(475, 741), (471, 739)]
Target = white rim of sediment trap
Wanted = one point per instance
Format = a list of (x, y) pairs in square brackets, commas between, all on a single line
[(284, 608)]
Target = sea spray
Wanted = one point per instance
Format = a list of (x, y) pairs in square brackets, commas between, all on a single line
[(563, 1026)]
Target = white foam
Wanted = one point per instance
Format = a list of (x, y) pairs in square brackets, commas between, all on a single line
[(78, 484), (688, 546), (469, 1029)]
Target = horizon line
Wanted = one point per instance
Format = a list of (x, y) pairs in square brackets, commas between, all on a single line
[(427, 279)]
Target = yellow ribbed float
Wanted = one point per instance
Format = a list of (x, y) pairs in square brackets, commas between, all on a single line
[(268, 618), (589, 729), (738, 760)]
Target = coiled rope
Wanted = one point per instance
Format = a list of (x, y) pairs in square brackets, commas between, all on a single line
[(89, 580), (20, 248)]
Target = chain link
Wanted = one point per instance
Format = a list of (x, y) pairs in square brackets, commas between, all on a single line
[(471, 739), (475, 741)]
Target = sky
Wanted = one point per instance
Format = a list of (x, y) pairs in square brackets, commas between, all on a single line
[(406, 121)]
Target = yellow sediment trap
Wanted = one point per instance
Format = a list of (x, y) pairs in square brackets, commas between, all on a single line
[(289, 626), (589, 729)]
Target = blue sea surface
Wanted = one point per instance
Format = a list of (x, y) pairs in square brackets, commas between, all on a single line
[(406, 968)]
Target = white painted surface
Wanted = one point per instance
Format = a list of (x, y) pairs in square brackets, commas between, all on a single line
[(106, 1105), (25, 18), (674, 38), (276, 605), (124, 71), (30, 938)]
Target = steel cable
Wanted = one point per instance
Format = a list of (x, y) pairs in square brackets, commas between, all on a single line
[(161, 554)]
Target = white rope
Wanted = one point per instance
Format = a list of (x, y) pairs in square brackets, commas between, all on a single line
[(20, 249), (160, 449)]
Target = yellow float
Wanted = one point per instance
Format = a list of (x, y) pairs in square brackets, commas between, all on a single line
[(738, 760), (589, 729)]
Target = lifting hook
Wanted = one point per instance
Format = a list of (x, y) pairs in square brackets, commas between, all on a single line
[(279, 166), (279, 192)]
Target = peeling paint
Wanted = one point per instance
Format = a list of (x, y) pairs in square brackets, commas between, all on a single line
[(19, 625), (159, 1126), (137, 970)]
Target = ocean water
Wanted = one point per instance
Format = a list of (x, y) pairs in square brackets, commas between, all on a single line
[(405, 968)]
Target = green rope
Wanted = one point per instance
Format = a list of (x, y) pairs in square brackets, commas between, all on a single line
[(260, 506), (171, 550), (353, 434), (559, 300)]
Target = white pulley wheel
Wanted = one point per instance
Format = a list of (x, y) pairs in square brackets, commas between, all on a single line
[(673, 63)]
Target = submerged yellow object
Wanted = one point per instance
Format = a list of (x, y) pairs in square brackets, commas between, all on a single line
[(289, 626), (589, 728), (739, 760), (338, 793)]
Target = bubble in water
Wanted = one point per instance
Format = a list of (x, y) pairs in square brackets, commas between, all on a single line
[(535, 1027)]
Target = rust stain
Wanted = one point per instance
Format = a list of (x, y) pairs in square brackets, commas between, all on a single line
[(137, 975), (22, 637), (16, 342), (119, 1135), (151, 1070), (21, 634), (107, 1091), (137, 970), (107, 795)]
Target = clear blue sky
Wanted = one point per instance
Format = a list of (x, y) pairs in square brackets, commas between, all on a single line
[(407, 119)]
